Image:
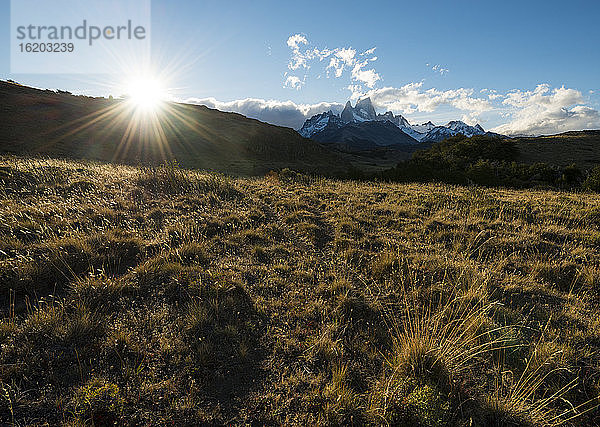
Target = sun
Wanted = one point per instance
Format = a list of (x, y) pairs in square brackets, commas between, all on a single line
[(146, 94)]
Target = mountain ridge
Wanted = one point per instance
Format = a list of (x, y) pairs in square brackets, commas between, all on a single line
[(59, 124), (364, 111)]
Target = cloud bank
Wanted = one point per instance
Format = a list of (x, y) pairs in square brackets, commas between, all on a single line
[(413, 98), (282, 113), (547, 111)]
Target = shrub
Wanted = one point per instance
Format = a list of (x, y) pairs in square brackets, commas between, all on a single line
[(592, 182), (483, 173), (571, 177), (288, 176)]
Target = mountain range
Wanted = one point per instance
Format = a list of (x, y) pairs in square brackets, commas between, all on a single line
[(361, 128)]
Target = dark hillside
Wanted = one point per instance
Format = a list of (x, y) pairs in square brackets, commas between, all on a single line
[(581, 148), (59, 124)]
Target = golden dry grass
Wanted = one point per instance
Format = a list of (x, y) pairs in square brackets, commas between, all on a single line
[(149, 296)]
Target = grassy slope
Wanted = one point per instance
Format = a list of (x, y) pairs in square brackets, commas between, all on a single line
[(383, 158), (581, 148), (155, 295), (62, 125)]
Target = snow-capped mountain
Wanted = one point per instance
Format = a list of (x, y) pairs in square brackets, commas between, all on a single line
[(319, 122), (358, 128), (424, 128), (364, 111), (465, 129), (410, 130), (455, 127)]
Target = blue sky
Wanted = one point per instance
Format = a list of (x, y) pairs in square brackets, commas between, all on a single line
[(516, 66)]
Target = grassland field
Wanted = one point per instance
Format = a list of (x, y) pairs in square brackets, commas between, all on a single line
[(154, 296)]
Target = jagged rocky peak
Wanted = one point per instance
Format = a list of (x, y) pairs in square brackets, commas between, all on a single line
[(423, 129), (397, 120), (363, 111), (456, 124), (402, 121), (364, 108), (319, 122), (459, 126), (348, 113)]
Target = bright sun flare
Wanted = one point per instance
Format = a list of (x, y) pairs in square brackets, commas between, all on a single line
[(146, 94)]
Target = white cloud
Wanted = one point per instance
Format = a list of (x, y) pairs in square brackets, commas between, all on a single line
[(471, 119), (439, 69), (369, 51), (411, 98), (341, 59), (301, 58), (492, 94), (294, 82), (296, 40), (346, 54), (298, 58), (543, 96), (356, 90), (282, 113), (547, 111), (368, 77)]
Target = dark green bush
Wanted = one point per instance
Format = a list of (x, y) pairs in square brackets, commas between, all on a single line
[(484, 160), (592, 182)]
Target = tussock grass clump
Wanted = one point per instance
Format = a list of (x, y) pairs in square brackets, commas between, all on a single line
[(540, 395), (169, 179), (60, 261), (435, 347), (443, 341), (387, 263), (343, 403), (193, 253)]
